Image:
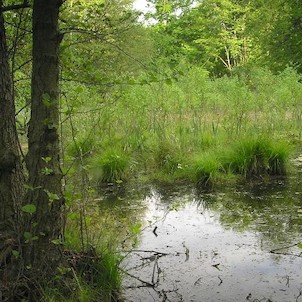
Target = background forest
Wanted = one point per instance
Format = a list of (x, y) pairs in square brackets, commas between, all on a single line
[(198, 91)]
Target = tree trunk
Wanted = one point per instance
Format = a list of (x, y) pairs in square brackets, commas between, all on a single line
[(43, 163), (11, 177)]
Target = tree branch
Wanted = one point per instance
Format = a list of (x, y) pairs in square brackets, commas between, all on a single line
[(25, 4)]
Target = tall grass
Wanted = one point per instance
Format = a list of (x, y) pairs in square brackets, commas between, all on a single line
[(110, 166), (96, 278), (162, 125), (257, 156), (206, 168)]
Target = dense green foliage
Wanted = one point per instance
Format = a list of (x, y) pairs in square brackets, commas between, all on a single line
[(224, 34), (160, 128)]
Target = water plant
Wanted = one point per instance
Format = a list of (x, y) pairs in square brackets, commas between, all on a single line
[(110, 166), (256, 156), (205, 169), (166, 157)]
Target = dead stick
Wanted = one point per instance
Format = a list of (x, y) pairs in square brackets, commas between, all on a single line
[(151, 251), (285, 247), (148, 284), (153, 274)]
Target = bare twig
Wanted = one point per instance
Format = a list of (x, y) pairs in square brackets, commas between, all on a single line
[(154, 231), (285, 247), (146, 283), (278, 250), (300, 294)]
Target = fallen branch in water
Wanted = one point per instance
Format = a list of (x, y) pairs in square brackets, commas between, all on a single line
[(146, 283), (158, 271), (278, 250), (300, 294), (150, 251)]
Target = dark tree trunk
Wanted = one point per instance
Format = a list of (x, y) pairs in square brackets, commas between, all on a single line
[(29, 252), (43, 162), (11, 177)]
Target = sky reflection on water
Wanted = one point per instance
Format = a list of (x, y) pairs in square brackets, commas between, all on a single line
[(218, 245)]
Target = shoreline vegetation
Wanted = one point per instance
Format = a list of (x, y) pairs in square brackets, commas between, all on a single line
[(197, 129)]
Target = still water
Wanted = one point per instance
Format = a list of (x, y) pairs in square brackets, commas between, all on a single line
[(234, 244)]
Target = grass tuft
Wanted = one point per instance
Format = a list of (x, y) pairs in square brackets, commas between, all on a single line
[(110, 166), (279, 153), (167, 158), (206, 168), (257, 156)]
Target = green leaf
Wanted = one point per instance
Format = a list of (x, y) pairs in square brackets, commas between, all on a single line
[(57, 241), (52, 196), (135, 228), (46, 159), (79, 89), (27, 235), (15, 253), (46, 171), (299, 245), (29, 208)]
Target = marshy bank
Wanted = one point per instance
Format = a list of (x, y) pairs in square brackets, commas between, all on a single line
[(197, 128)]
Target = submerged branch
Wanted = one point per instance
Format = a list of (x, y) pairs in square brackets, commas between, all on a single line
[(278, 250), (146, 283)]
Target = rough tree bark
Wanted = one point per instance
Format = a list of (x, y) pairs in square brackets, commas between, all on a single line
[(43, 163), (29, 252), (11, 177)]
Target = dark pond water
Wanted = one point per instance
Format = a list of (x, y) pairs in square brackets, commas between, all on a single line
[(235, 244)]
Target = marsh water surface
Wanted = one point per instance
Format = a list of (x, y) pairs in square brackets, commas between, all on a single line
[(233, 244)]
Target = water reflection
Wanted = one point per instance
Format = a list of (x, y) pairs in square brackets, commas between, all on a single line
[(214, 246), (273, 210)]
